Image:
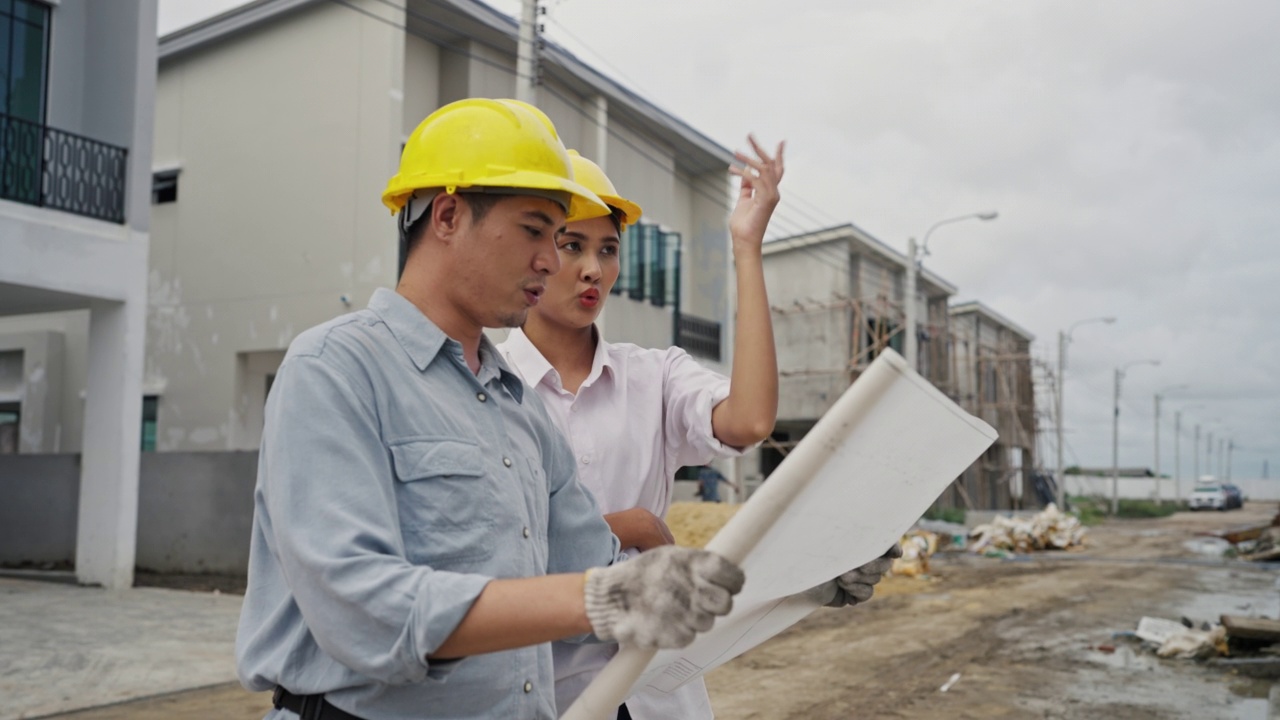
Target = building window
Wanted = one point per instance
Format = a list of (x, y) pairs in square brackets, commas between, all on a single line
[(699, 336), (24, 59), (10, 424), (164, 187), (650, 266), (24, 71), (150, 413)]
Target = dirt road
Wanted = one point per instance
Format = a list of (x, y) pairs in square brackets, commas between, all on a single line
[(1021, 635)]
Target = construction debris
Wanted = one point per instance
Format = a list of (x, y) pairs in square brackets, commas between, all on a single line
[(917, 547), (1256, 543), (1174, 639), (1050, 529), (1248, 628)]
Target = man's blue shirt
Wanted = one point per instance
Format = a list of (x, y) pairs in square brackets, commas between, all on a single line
[(393, 485)]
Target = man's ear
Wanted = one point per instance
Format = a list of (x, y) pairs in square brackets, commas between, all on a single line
[(447, 213)]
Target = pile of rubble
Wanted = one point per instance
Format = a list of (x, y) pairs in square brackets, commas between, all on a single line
[(1050, 529), (917, 547)]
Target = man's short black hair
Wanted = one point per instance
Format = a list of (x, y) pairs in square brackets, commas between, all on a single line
[(480, 204)]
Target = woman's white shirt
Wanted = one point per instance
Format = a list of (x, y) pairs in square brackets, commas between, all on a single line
[(640, 416)]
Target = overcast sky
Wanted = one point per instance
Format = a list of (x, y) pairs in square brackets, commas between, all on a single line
[(1132, 150)]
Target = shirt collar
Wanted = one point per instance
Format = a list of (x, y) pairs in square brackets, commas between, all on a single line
[(422, 339), (527, 359)]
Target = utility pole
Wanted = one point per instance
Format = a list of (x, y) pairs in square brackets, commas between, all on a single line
[(1157, 468), (528, 72), (1222, 474), (1115, 448), (1177, 455), (1231, 447), (1196, 479), (1060, 478), (1115, 434), (1208, 453)]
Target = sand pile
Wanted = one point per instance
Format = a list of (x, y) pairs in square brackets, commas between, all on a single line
[(694, 523)]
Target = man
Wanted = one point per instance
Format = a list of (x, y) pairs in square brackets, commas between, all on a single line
[(419, 535)]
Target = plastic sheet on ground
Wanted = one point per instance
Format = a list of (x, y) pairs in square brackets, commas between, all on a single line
[(1175, 640), (1050, 529)]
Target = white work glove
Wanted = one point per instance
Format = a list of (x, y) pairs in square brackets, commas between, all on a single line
[(857, 585), (661, 598)]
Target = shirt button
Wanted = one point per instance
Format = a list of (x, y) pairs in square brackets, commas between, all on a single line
[(526, 531), (528, 686), (481, 397), (586, 459), (506, 461)]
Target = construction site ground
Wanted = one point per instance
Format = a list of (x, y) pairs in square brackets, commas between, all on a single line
[(1023, 635)]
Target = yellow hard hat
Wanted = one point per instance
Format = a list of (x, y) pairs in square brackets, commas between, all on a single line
[(593, 178), (481, 143)]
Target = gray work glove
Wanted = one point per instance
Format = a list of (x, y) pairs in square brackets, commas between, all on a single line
[(857, 585), (661, 598)]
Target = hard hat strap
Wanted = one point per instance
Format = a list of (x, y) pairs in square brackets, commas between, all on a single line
[(419, 203)]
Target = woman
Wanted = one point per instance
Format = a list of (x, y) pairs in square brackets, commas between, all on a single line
[(633, 415)]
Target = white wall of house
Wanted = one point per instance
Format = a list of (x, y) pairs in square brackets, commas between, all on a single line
[(73, 288), (283, 152)]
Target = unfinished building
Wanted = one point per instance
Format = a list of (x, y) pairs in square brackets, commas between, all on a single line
[(992, 379), (838, 301)]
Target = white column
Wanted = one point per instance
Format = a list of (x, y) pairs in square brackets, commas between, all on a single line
[(108, 517)]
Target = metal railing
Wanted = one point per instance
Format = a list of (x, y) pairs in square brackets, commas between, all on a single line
[(52, 168), (699, 336)]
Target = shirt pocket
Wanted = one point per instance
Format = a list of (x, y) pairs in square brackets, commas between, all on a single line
[(445, 501)]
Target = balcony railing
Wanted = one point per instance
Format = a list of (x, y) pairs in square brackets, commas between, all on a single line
[(699, 336), (46, 167)]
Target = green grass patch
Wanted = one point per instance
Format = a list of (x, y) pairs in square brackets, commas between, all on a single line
[(951, 515), (1092, 510)]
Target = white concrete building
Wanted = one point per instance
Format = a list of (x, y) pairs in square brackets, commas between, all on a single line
[(76, 114), (278, 124)]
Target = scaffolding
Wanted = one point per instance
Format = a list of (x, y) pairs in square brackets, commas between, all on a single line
[(993, 381)]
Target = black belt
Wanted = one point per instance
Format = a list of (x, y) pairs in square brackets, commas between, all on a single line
[(309, 707)]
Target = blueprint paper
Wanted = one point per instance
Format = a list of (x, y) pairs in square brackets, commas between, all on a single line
[(890, 465)]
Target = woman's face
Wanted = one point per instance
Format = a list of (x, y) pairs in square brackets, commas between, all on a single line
[(588, 269)]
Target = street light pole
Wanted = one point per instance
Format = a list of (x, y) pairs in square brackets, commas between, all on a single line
[(915, 257), (1196, 478), (1064, 338), (1160, 396), (1115, 434), (1177, 456)]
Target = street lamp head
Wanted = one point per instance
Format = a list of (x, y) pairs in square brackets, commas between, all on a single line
[(992, 215), (1108, 320)]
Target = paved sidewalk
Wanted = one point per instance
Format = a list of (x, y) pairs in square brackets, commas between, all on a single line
[(64, 647)]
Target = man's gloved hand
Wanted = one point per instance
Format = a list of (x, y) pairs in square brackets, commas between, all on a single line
[(661, 598), (857, 585)]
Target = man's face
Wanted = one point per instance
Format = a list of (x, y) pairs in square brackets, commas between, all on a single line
[(501, 263)]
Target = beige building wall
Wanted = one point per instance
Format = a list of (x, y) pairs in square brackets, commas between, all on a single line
[(283, 136), (283, 150)]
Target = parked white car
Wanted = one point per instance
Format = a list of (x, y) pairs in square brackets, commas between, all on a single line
[(1208, 497)]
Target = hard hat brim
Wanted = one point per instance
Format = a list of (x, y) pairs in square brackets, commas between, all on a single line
[(583, 204)]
